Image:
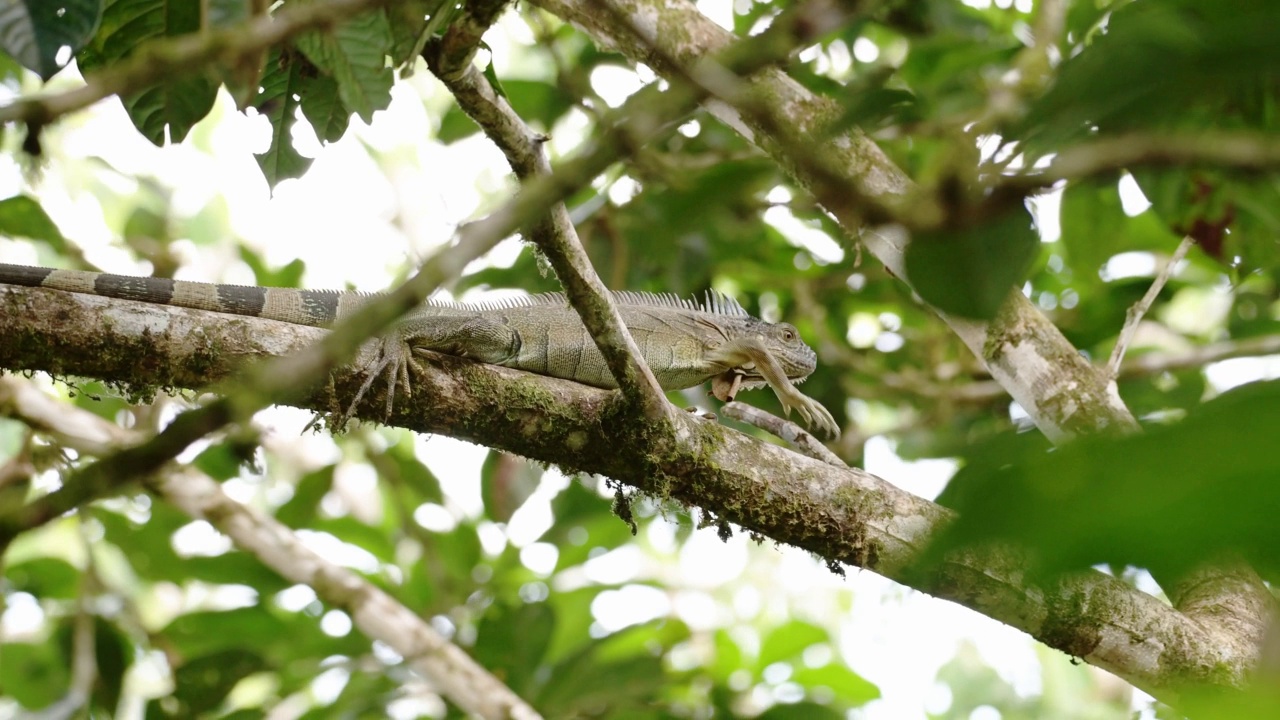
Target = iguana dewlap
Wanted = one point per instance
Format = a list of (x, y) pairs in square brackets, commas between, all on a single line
[(684, 342)]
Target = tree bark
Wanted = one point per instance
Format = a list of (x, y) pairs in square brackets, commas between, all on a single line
[(845, 515)]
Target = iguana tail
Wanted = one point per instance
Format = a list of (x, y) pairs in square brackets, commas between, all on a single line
[(318, 308)]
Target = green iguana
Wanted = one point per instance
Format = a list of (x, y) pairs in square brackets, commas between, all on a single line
[(685, 342)]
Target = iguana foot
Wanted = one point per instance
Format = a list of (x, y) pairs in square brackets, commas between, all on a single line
[(815, 415), (726, 385), (388, 358)]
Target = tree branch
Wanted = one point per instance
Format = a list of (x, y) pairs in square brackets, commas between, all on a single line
[(1140, 366), (1233, 149), (1134, 315), (802, 441), (844, 515)]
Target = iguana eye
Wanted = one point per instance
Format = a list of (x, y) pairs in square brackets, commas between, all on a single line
[(788, 334)]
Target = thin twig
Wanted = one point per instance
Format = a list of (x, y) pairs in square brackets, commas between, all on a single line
[(1135, 314), (792, 433), (1240, 150)]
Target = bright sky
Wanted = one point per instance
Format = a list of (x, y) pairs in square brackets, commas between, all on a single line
[(387, 195)]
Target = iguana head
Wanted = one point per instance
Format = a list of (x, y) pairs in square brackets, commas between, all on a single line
[(796, 359)]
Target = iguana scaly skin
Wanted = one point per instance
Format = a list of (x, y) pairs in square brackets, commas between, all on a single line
[(684, 342)]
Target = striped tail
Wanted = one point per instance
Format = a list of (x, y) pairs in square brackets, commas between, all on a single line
[(318, 308)]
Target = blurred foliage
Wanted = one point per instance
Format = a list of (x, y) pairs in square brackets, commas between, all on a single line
[(217, 635), (1175, 496), (1068, 691)]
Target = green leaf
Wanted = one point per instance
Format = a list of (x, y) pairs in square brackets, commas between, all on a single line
[(1092, 222), (113, 653), (148, 546), (278, 101), (408, 19), (1229, 214), (1095, 228), (1166, 499), (585, 687), (149, 224), (457, 551), (323, 107), (33, 674), (949, 72), (10, 69), (164, 111), (234, 567), (286, 276), (202, 683), (848, 686), (801, 711), (455, 125), (579, 542), (365, 695), (300, 510), (44, 578), (491, 74), (728, 658), (223, 461), (540, 103), (511, 641), (281, 637), (35, 31), (1174, 62), (787, 641), (621, 671), (573, 622), (970, 271), (506, 481), (350, 530), (400, 462), (22, 216), (354, 54)]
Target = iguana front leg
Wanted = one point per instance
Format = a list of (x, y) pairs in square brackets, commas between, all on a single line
[(751, 352), (475, 337), (391, 357)]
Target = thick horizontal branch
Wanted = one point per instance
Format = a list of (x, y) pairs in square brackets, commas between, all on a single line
[(844, 515)]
